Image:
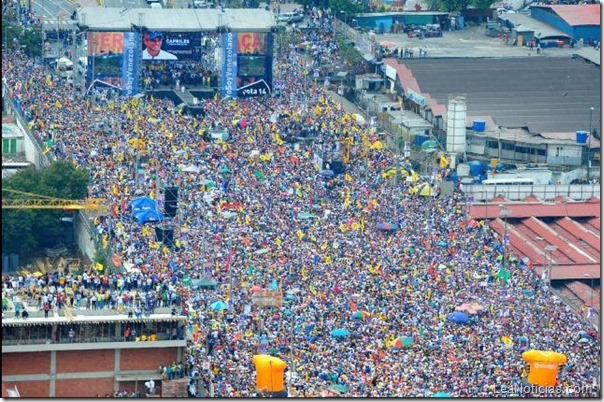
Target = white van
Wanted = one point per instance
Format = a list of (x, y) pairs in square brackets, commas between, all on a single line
[(290, 17)]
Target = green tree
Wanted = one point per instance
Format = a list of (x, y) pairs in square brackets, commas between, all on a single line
[(25, 230), (29, 38), (453, 5), (459, 5), (483, 4)]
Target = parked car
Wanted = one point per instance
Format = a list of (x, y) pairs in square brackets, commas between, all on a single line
[(57, 250), (290, 17)]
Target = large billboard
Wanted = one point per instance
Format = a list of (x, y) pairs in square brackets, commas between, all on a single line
[(228, 74), (170, 46), (247, 64), (113, 58)]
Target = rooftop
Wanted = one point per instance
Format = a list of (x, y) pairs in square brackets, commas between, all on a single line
[(573, 227), (175, 19), (576, 14), (542, 94)]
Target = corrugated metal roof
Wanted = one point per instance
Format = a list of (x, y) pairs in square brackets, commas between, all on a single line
[(542, 94), (175, 19), (570, 227), (577, 14), (541, 29)]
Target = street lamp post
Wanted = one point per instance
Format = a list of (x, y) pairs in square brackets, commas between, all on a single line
[(550, 249), (591, 302), (505, 213), (591, 111)]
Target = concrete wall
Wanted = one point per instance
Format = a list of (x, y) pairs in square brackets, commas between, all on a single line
[(84, 373), (83, 235)]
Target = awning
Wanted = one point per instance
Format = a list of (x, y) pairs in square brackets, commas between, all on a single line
[(368, 57)]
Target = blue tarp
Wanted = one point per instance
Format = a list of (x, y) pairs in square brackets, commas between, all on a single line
[(140, 203), (148, 215)]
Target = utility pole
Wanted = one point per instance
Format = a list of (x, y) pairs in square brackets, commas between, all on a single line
[(550, 249), (591, 111), (505, 213)]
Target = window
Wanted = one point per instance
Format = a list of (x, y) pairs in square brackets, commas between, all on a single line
[(9, 145)]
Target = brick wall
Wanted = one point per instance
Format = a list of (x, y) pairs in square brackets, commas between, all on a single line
[(25, 363), (32, 389), (84, 388), (83, 361), (146, 359)]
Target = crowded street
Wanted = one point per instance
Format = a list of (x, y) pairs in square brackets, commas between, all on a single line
[(355, 251)]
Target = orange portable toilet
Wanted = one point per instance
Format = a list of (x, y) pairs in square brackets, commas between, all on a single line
[(269, 373), (543, 366)]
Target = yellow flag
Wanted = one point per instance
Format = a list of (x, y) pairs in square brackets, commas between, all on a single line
[(300, 234), (343, 227), (278, 241), (347, 177), (98, 266), (58, 104), (105, 240), (312, 290), (327, 259), (324, 246)]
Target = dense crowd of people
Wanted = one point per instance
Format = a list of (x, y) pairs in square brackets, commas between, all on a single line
[(255, 211)]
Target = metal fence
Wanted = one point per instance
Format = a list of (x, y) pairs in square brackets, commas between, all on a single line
[(579, 192), (42, 159)]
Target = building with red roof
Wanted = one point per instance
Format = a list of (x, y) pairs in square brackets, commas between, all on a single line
[(580, 21), (559, 239)]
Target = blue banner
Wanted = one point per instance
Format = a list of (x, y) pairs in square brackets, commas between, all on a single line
[(130, 64), (228, 80)]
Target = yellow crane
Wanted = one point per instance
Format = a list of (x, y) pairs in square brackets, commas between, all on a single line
[(24, 200)]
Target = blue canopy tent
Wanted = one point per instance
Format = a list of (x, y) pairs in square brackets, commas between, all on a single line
[(147, 215), (142, 203)]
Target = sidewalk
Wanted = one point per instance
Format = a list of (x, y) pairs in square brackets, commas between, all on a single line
[(349, 107), (85, 3)]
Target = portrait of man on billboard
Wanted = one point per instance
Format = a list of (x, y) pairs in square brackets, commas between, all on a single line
[(153, 41)]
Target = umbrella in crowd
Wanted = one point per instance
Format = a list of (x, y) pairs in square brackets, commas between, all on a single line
[(387, 226), (339, 333), (442, 394), (361, 315), (401, 342), (219, 305), (470, 308), (459, 317)]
